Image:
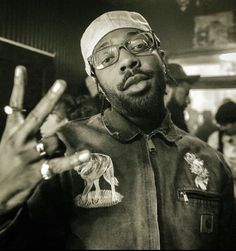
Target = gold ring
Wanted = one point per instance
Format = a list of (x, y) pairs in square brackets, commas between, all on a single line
[(46, 172), (40, 149)]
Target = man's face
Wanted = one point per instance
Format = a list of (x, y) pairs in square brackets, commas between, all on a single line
[(134, 85), (229, 151), (181, 94)]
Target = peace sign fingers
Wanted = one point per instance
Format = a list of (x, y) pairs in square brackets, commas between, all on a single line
[(40, 112)]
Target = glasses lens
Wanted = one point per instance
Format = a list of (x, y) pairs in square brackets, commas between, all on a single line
[(105, 57), (141, 43)]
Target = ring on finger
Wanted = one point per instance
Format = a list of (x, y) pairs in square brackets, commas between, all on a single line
[(10, 109), (40, 149), (46, 171)]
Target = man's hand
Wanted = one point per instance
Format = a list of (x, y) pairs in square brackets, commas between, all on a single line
[(20, 160)]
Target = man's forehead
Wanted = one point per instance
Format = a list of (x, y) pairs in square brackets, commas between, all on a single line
[(116, 37), (183, 85)]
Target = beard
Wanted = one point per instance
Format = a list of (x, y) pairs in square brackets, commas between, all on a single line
[(146, 104)]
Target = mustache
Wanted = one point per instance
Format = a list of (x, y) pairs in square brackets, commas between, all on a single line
[(131, 73)]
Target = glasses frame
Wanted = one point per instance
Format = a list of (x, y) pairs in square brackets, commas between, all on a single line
[(156, 45)]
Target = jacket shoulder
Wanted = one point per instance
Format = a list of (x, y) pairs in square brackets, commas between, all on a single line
[(77, 134), (204, 151)]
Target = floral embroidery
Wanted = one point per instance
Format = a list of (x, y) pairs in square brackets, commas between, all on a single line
[(197, 167)]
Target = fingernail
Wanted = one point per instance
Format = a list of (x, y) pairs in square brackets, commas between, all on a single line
[(58, 85), (84, 155), (19, 70)]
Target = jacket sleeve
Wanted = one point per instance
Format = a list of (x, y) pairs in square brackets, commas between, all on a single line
[(38, 224), (13, 229)]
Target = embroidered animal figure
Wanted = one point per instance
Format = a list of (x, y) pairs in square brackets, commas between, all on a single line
[(100, 165)]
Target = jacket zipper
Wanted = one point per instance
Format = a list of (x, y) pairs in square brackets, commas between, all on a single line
[(151, 149), (186, 195)]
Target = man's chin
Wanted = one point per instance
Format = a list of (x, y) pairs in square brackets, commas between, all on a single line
[(139, 106)]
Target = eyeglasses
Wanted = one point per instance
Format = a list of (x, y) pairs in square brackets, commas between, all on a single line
[(140, 44)]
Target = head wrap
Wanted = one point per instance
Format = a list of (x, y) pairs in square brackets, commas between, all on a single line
[(106, 23)]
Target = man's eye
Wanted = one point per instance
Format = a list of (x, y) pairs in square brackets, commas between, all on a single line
[(107, 59), (137, 46)]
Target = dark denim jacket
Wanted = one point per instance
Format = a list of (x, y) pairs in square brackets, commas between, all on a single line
[(177, 192)]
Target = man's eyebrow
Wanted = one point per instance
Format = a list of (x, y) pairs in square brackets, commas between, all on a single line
[(107, 43)]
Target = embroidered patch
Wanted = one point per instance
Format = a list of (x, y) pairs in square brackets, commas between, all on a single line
[(197, 167), (99, 165)]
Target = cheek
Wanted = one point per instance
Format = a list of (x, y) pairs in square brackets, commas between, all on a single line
[(152, 62), (108, 78)]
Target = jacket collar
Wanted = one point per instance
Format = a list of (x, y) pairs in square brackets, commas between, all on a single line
[(124, 130)]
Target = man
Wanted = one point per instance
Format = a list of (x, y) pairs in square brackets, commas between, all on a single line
[(179, 94), (207, 125), (224, 139), (145, 184)]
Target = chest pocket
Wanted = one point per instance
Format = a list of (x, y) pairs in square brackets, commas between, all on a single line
[(202, 206)]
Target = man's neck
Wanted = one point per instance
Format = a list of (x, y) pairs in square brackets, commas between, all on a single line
[(148, 124)]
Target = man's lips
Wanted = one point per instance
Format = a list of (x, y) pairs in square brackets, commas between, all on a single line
[(134, 80)]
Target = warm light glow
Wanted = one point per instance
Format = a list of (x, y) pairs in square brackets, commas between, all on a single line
[(210, 99), (228, 56), (211, 70)]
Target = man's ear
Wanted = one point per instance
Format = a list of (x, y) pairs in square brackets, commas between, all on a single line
[(100, 89), (162, 54), (163, 59)]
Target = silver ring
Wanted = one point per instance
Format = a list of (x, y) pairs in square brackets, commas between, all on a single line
[(10, 109), (46, 172), (40, 149)]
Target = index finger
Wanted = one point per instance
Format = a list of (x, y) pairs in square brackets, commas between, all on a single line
[(41, 111), (20, 79), (15, 119)]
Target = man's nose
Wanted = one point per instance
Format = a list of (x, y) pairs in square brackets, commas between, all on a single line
[(128, 61)]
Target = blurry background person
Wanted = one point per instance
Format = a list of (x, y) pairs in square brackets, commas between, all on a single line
[(224, 139), (93, 102), (178, 95), (87, 106), (65, 110), (206, 125)]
